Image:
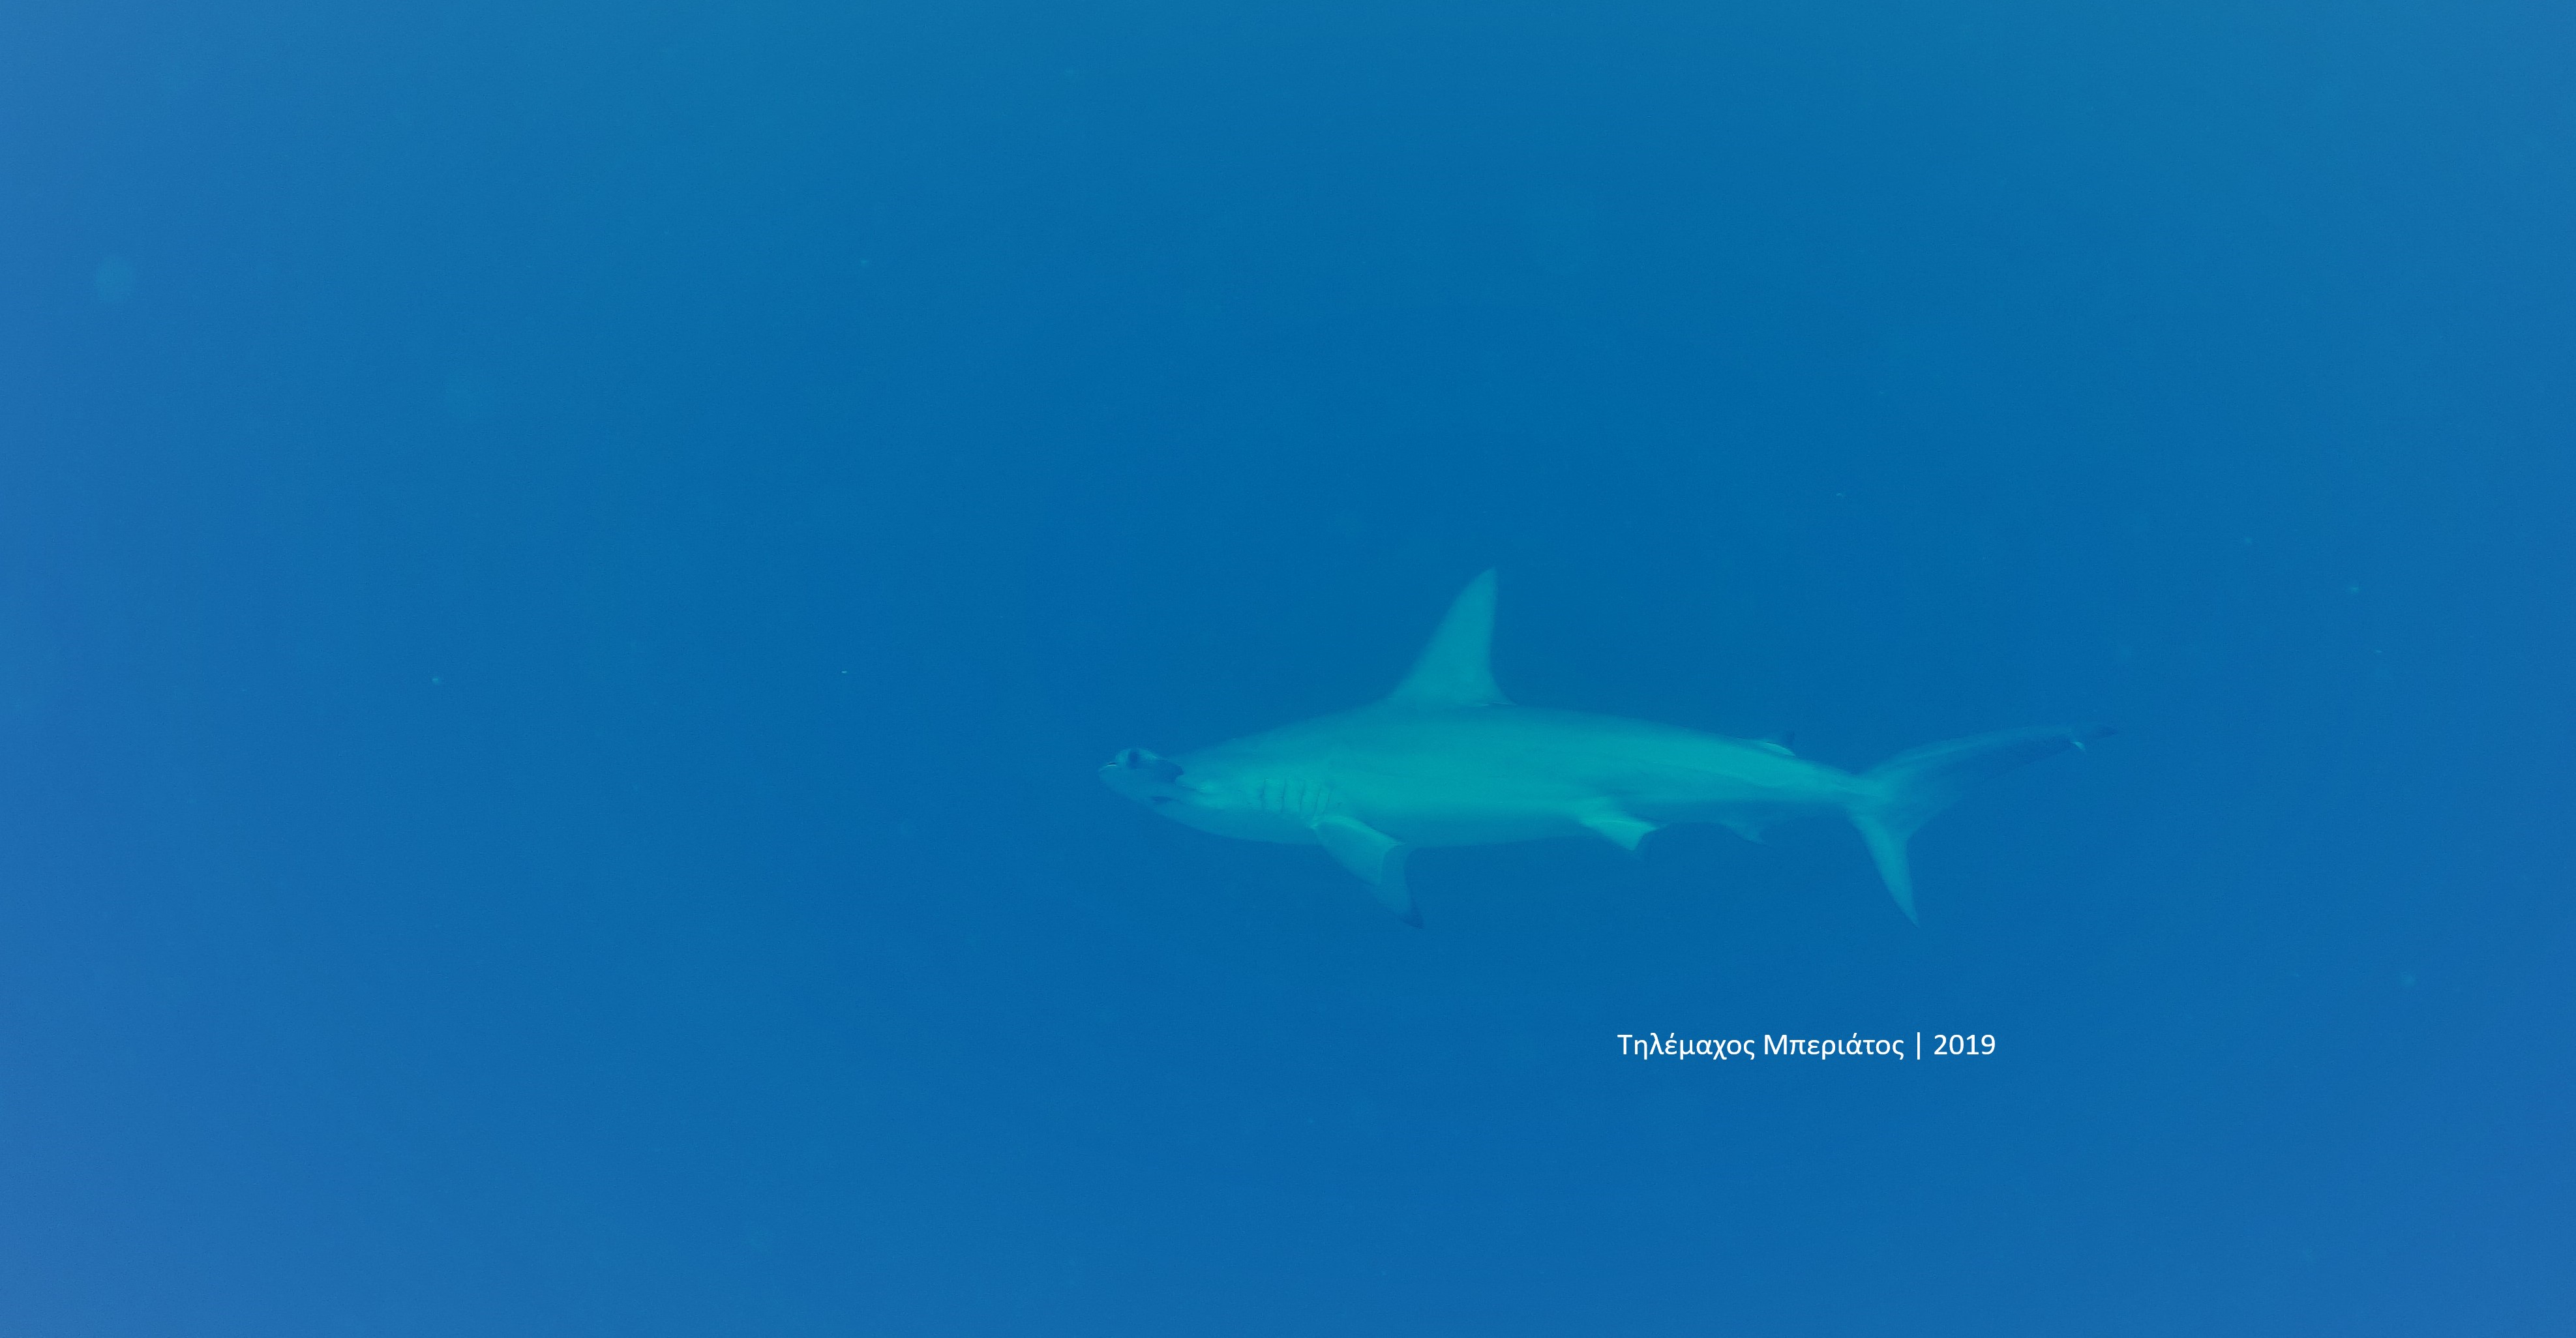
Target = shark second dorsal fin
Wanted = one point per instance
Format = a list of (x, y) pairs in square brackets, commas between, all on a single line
[(1457, 668)]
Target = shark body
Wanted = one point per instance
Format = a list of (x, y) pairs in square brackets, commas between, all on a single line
[(1447, 760)]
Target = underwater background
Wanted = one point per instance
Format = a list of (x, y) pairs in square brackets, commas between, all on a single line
[(565, 569)]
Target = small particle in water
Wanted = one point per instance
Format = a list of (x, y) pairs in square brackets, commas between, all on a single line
[(435, 680), (2352, 589), (114, 279), (2405, 980), (469, 396)]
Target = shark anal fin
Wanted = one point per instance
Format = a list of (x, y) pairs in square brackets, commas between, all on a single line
[(1457, 668), (1621, 829), (1376, 857)]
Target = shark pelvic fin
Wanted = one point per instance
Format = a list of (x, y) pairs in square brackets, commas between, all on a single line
[(1376, 857), (1621, 829), (1457, 668)]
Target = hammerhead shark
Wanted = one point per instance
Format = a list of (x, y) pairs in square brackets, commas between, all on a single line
[(1447, 760)]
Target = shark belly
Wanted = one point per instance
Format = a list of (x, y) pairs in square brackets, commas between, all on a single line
[(1471, 819), (1515, 774)]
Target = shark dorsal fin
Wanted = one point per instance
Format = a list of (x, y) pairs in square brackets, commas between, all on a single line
[(1457, 668)]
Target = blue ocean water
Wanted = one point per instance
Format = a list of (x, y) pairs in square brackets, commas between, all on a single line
[(565, 569)]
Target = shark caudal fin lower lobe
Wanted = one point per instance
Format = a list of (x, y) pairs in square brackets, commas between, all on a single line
[(1902, 793)]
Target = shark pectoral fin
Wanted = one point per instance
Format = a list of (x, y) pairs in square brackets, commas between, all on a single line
[(1376, 857), (1621, 829), (1744, 827)]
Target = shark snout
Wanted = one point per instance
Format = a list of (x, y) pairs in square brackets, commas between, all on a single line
[(1144, 762), (1143, 775)]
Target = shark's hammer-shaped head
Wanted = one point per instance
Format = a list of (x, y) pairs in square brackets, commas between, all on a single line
[(1219, 791), (1147, 777), (1155, 782)]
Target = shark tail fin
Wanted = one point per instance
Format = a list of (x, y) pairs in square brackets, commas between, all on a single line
[(1899, 795)]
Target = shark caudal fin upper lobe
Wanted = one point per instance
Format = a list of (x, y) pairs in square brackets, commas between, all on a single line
[(1905, 791)]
